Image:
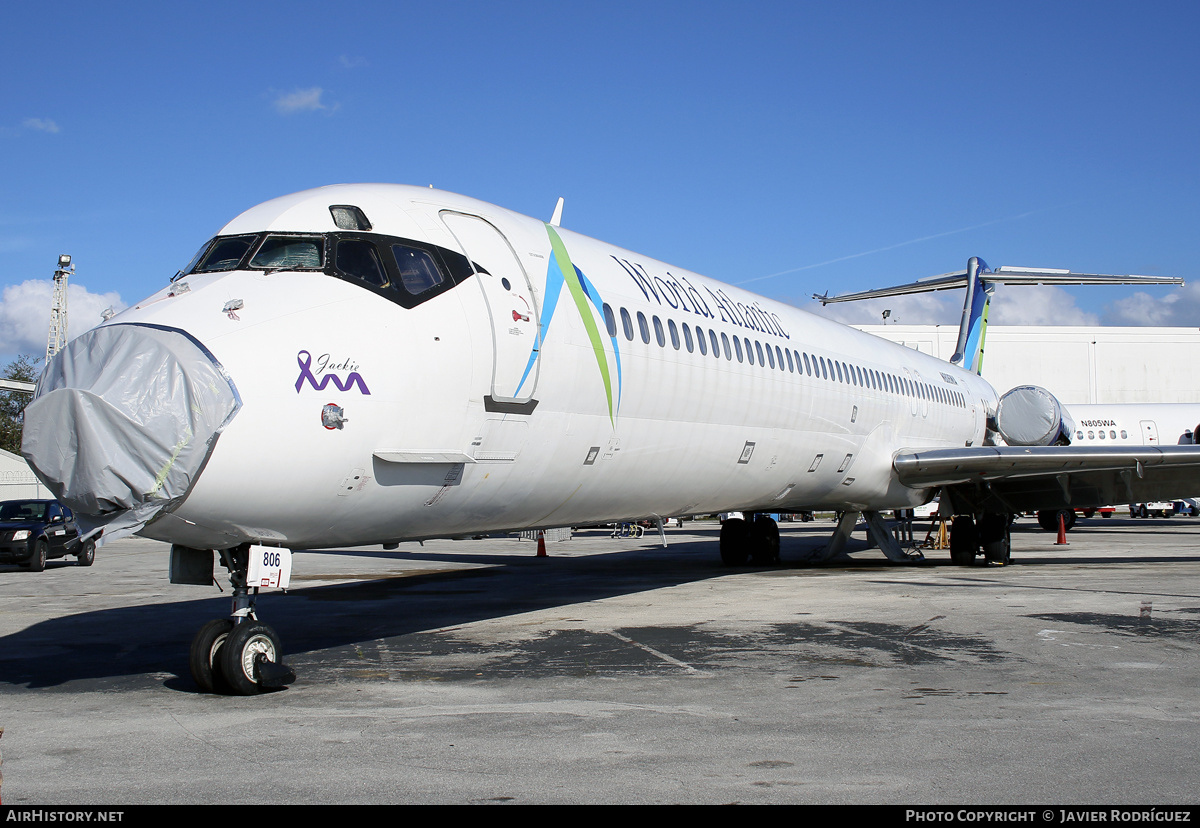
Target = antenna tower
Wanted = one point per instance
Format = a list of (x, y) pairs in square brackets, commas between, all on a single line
[(58, 308)]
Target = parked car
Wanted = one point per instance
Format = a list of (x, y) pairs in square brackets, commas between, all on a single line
[(35, 531)]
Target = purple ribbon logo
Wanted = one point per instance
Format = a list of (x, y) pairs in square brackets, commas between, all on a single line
[(304, 360)]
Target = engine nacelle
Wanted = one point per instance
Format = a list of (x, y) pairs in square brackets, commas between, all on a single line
[(1029, 415)]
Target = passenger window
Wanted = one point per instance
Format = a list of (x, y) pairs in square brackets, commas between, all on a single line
[(659, 334), (627, 324), (289, 253), (418, 271), (701, 341), (644, 327), (1112, 435), (737, 346), (716, 349), (674, 333), (727, 349), (758, 350), (791, 366), (779, 357), (687, 338), (610, 321), (359, 259), (1124, 434)]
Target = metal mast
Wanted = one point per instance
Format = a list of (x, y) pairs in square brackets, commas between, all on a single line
[(58, 308)]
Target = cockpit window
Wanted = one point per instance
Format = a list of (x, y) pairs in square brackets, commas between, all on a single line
[(348, 217), (360, 259), (418, 271), (191, 266), (225, 254), (405, 271), (290, 253)]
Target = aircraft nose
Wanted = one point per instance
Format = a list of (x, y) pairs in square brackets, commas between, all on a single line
[(123, 421)]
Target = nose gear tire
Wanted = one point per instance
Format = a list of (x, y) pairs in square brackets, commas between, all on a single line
[(239, 656), (205, 656)]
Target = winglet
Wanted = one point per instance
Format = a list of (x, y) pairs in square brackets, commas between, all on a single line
[(557, 217)]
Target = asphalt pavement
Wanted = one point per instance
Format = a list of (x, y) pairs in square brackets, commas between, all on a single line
[(617, 671)]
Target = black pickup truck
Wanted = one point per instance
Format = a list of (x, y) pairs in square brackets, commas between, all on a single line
[(34, 531)]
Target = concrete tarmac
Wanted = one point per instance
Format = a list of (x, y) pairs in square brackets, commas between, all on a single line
[(616, 671)]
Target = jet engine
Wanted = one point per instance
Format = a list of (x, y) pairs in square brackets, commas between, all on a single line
[(1029, 415)]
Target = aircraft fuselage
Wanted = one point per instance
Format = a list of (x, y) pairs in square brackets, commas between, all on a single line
[(548, 379)]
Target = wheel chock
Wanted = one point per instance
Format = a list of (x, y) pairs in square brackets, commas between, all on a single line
[(271, 675)]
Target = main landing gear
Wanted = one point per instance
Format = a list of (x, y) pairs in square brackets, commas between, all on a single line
[(238, 655), (750, 541), (989, 535)]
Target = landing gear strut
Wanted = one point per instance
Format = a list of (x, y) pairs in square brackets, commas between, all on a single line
[(238, 655)]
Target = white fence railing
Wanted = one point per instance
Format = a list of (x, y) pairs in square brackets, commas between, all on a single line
[(558, 535)]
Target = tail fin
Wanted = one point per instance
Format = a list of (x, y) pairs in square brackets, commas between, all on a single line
[(968, 353)]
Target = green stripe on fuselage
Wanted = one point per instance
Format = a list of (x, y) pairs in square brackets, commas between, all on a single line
[(563, 259)]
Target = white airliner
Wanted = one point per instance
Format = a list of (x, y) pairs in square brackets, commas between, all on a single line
[(1152, 424), (363, 364)]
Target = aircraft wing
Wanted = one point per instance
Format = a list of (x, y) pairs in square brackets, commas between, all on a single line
[(1031, 478)]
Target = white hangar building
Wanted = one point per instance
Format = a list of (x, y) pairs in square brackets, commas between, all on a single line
[(17, 480), (1077, 365)]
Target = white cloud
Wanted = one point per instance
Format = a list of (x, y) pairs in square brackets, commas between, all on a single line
[(1179, 308), (43, 124), (352, 62), (302, 100), (25, 314), (1037, 305)]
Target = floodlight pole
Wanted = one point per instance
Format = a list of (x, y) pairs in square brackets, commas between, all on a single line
[(58, 308)]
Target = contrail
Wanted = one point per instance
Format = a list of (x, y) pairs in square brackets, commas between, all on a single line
[(898, 244)]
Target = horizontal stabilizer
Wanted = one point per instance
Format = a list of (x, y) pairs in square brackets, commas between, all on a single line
[(1002, 276)]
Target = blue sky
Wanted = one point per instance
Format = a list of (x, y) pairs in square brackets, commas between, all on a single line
[(843, 145)]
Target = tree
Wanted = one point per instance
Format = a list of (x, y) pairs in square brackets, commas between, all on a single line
[(12, 403)]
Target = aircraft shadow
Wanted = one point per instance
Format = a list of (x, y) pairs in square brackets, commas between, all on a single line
[(153, 638), (315, 621)]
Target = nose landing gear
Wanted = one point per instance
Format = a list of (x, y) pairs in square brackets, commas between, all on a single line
[(238, 655)]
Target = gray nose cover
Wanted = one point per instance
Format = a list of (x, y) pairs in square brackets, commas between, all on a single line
[(123, 421)]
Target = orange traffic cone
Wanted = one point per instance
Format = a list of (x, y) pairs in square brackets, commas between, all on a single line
[(1062, 530), (541, 553)]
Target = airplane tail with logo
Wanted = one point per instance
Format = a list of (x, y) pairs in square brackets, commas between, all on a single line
[(980, 282)]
